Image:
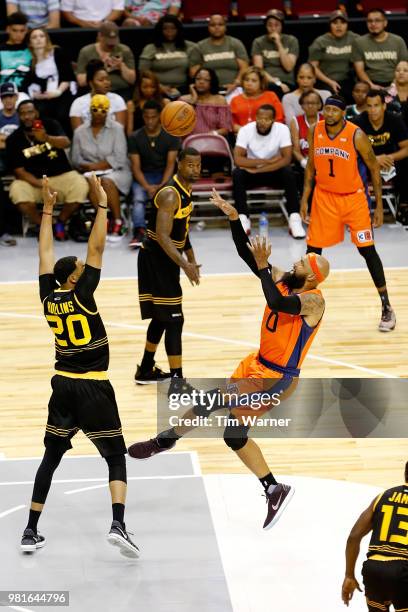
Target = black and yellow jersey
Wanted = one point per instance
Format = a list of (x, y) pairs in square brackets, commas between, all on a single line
[(390, 524), (81, 343), (179, 232)]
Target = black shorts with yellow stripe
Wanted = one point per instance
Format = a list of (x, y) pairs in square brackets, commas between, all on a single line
[(386, 584), (86, 404), (160, 294)]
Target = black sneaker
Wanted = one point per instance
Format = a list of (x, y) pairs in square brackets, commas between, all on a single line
[(277, 502), (119, 537), (154, 376), (31, 541), (180, 386), (147, 449)]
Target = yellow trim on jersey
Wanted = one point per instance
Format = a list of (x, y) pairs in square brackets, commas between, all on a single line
[(147, 297), (62, 433), (374, 604), (184, 212), (88, 347), (384, 558), (377, 500), (103, 375), (386, 548), (177, 243), (181, 186), (83, 307), (167, 187)]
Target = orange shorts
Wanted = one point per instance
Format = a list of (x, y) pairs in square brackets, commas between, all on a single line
[(331, 212)]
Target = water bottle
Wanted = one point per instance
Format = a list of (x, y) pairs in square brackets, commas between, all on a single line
[(263, 227)]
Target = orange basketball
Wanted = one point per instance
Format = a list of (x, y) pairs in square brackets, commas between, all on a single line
[(178, 118)]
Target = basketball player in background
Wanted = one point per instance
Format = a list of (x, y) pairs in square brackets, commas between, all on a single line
[(82, 396), (165, 250), (292, 316), (385, 572), (339, 155)]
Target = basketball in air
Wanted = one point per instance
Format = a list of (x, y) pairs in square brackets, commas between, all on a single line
[(178, 118)]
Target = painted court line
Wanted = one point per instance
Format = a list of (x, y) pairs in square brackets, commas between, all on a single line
[(220, 339), (175, 452), (101, 486), (11, 510), (103, 480)]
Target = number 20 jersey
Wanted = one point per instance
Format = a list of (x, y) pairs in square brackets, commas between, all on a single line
[(81, 343), (339, 167)]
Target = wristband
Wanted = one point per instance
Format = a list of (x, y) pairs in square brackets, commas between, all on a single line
[(100, 206), (46, 213)]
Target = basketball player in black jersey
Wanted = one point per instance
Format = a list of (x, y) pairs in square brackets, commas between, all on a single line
[(82, 396), (165, 250), (385, 572)]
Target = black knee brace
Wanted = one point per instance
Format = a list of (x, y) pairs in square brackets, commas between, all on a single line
[(236, 436), (374, 264), (117, 467), (155, 331), (172, 339), (51, 460), (312, 249)]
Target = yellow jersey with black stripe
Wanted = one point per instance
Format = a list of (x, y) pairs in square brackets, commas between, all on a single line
[(390, 524), (81, 343), (181, 219)]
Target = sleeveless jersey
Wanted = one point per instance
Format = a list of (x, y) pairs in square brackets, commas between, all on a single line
[(81, 344), (303, 130), (285, 338), (339, 167), (181, 219), (390, 524)]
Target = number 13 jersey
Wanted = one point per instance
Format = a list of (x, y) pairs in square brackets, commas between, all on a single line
[(339, 167)]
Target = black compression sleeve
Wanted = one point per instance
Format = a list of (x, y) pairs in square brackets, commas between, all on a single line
[(241, 240), (290, 304)]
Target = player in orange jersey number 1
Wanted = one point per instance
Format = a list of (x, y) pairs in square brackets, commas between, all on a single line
[(292, 316), (340, 154)]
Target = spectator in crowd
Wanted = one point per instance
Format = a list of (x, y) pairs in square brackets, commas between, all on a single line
[(40, 13), (91, 14), (15, 56), (50, 78), (148, 12), (100, 146), (306, 80), (37, 148), (263, 156), (398, 90), (359, 93), (311, 104), (376, 54), (330, 54), (254, 95), (99, 82), (276, 53), (212, 111), (224, 54), (168, 56), (118, 59), (388, 135), (9, 120), (147, 88), (153, 154)]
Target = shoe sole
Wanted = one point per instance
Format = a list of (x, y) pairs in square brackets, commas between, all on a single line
[(385, 330), (31, 547), (281, 509), (151, 382), (296, 237), (125, 549)]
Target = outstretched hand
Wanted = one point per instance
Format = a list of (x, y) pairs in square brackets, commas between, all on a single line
[(227, 208), (49, 197), (261, 249), (98, 190)]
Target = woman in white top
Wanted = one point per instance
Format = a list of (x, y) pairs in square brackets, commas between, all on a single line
[(99, 83), (51, 80), (306, 79)]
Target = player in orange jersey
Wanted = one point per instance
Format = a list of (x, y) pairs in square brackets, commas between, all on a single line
[(340, 154), (291, 319)]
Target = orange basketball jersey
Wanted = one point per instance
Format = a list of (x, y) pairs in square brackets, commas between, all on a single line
[(339, 168), (285, 338)]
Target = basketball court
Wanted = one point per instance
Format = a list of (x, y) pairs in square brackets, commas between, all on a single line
[(196, 513)]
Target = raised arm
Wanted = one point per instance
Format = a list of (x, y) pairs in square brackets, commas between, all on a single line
[(363, 146), (46, 239), (363, 526), (96, 242)]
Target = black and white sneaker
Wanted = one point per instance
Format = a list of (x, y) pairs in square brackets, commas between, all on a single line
[(388, 320), (31, 541), (119, 537), (180, 386), (277, 501), (155, 375)]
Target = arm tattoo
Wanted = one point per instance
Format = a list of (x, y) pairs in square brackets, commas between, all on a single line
[(312, 303)]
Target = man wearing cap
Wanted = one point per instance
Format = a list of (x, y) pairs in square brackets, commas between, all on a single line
[(86, 14), (376, 54), (9, 120), (330, 54), (276, 53), (340, 156), (118, 59)]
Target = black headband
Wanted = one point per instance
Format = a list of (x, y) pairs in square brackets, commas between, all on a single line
[(335, 102)]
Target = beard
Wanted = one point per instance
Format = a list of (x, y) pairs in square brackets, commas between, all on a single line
[(292, 281), (264, 132)]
